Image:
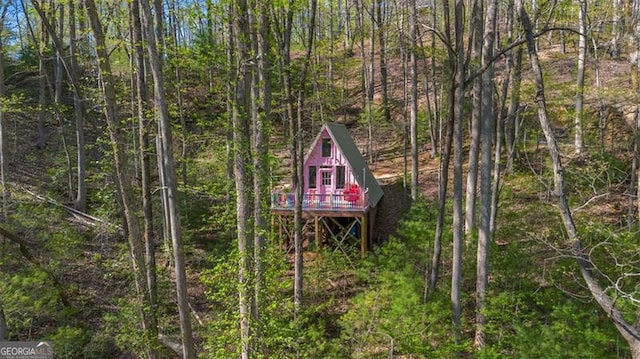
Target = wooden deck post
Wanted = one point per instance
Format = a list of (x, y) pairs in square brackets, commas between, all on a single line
[(364, 231), (280, 229), (317, 233)]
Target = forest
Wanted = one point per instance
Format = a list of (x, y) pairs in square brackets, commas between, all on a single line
[(143, 142)]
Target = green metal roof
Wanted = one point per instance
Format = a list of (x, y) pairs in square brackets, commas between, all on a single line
[(359, 167)]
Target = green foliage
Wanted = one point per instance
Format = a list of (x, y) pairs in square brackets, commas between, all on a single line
[(593, 173), (31, 301), (68, 342), (391, 311), (615, 255), (209, 200), (280, 334), (222, 330), (123, 326), (548, 325), (100, 183), (537, 304), (28, 297)]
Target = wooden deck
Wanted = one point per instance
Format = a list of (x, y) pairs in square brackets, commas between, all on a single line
[(333, 218), (341, 204)]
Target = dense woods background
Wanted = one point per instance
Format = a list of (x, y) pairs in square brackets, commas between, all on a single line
[(140, 140)]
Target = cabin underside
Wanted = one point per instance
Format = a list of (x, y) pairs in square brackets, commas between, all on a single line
[(341, 230)]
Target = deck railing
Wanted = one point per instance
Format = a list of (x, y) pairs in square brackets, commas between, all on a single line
[(316, 201)]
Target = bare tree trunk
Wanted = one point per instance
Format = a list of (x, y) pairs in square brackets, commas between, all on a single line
[(4, 159), (145, 159), (616, 30), (261, 113), (582, 52), (512, 125), (298, 286), (184, 143), (437, 123), (283, 39), (486, 149), (188, 350), (474, 142), (403, 10), (80, 202), (229, 107), (514, 65), (241, 149), (381, 9), (42, 94), (71, 69), (367, 76), (634, 189), (158, 15), (348, 30), (123, 180), (629, 331), (458, 216), (443, 180), (413, 97), (58, 69)]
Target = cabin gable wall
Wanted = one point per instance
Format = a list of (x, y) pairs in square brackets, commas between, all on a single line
[(326, 168)]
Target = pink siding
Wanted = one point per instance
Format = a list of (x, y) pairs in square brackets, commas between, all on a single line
[(326, 166), (325, 195)]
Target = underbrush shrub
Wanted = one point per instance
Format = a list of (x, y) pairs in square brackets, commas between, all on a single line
[(279, 333), (551, 327), (68, 342), (593, 172), (124, 326), (391, 315)]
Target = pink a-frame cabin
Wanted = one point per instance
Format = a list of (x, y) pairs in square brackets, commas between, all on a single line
[(336, 176)]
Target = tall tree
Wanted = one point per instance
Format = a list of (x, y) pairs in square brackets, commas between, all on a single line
[(458, 216), (629, 331), (80, 201), (487, 132), (123, 180), (381, 22), (174, 27), (142, 98), (42, 86), (4, 166), (476, 112), (299, 265), (514, 61), (239, 38), (58, 68), (582, 53), (443, 169), (616, 29), (261, 113), (164, 130), (413, 97), (73, 74)]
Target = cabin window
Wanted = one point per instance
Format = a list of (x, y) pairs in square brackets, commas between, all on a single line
[(312, 177), (340, 177), (326, 178), (326, 147)]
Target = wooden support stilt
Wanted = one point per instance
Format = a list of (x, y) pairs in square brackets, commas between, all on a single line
[(272, 229), (364, 232), (280, 228), (317, 233)]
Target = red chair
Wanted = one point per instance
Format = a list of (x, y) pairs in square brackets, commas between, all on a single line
[(352, 193)]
